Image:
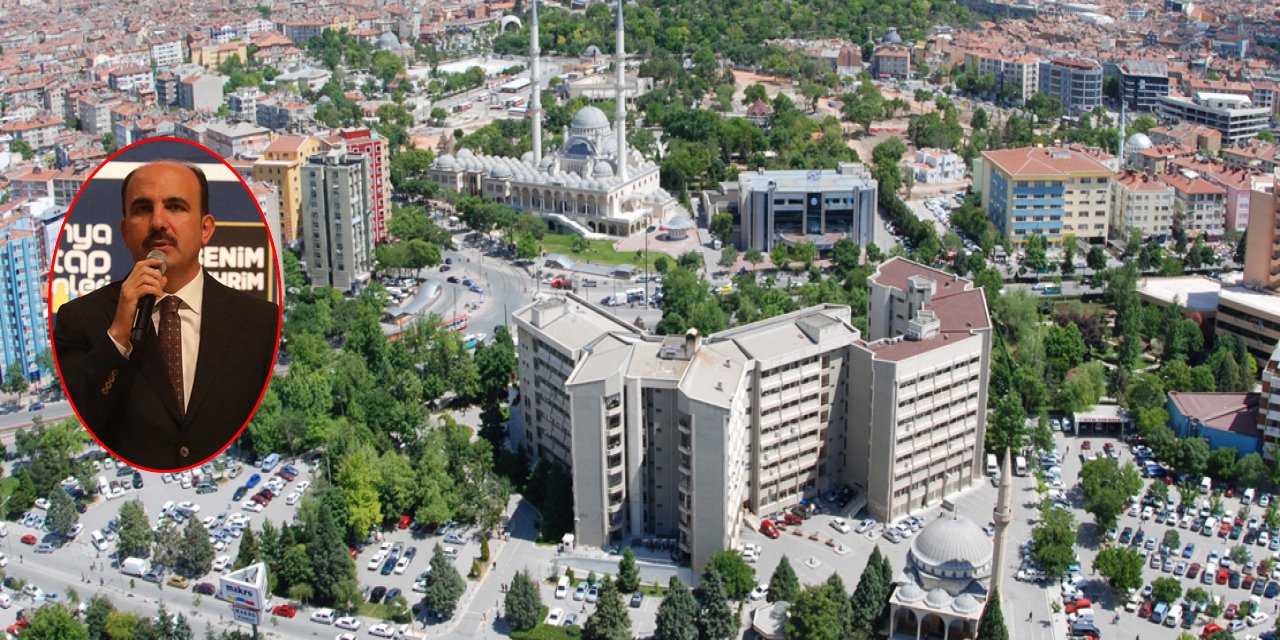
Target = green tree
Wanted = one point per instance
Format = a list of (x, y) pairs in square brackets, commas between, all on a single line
[(716, 621), (868, 595), (121, 625), (135, 531), (991, 624), (1222, 464), (95, 615), (62, 514), (1055, 539), (815, 614), (1171, 538), (783, 585), (1107, 486), (722, 226), (195, 553), (15, 380), (754, 256), (1007, 430), (1251, 470), (610, 620), (1121, 567), (523, 602), (844, 606), (735, 574), (678, 614), (22, 148), (55, 622), (335, 571), (444, 585), (249, 551), (780, 255), (628, 572), (728, 256), (1166, 590), (1096, 259)]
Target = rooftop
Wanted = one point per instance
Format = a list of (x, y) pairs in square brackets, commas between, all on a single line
[(1263, 302), (1044, 161), (1193, 293), (1233, 412)]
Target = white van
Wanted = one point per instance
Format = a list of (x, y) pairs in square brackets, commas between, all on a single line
[(1206, 485), (992, 467), (323, 616), (1020, 466), (1247, 497), (562, 588)]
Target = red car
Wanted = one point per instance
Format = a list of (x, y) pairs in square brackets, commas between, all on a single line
[(285, 610), (30, 538), (792, 518), (1193, 570), (355, 553), (1232, 610), (1222, 577), (1145, 610), (405, 521), (768, 529), (1086, 446), (1247, 583)]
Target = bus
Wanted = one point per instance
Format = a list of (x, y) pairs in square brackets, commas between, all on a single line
[(457, 325)]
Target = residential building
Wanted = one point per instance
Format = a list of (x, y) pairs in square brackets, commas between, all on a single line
[(891, 61), (760, 113), (937, 165), (283, 114), (374, 147), (788, 206), (691, 438), (1231, 45), (201, 92), (1253, 154), (336, 200), (269, 202), (1194, 137), (1077, 82), (167, 88), (1224, 420), (1269, 405), (94, 113), (1045, 191), (1139, 201), (242, 105), (135, 80), (1237, 182), (281, 166), (236, 139), (300, 31), (1233, 115), (1143, 83), (166, 52), (23, 331), (40, 133), (1200, 204), (1262, 248), (1251, 315), (212, 54)]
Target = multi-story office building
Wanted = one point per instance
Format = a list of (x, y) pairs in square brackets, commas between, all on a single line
[(1262, 249), (688, 437), (1077, 82), (281, 165), (1251, 315), (788, 206), (336, 201), (1143, 83), (1233, 115), (1139, 201), (23, 333), (1044, 191)]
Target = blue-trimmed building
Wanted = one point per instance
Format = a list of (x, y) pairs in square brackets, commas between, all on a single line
[(1045, 191), (1223, 419), (24, 332)]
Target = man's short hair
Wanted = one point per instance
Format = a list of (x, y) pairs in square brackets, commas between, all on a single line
[(195, 169)]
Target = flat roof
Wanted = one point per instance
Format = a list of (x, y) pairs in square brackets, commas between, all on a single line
[(1264, 302), (1194, 293), (802, 179)]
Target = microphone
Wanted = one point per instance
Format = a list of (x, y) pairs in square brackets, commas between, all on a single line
[(147, 303)]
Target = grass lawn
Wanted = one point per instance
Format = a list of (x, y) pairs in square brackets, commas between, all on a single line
[(601, 251)]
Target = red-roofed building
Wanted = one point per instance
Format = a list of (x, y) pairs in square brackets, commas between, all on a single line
[(1225, 420), (1202, 204), (1044, 191)]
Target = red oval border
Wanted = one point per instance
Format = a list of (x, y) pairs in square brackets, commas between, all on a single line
[(275, 254)]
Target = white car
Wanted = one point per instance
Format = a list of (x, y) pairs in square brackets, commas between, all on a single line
[(304, 485), (4, 560), (347, 622), (292, 498), (189, 506), (42, 504), (865, 525), (840, 525), (250, 505), (382, 630), (221, 563), (186, 482), (401, 565), (75, 530), (166, 478), (760, 592), (1256, 618), (375, 562), (323, 616), (555, 618)]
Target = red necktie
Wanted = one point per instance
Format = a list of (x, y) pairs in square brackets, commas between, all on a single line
[(171, 345)]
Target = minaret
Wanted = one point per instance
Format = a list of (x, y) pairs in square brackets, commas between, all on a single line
[(1120, 152), (620, 120), (535, 77), (1002, 516)]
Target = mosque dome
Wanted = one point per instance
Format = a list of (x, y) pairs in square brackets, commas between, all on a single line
[(465, 154), (937, 598), (388, 42), (603, 170), (446, 161), (910, 592), (526, 157), (1138, 142), (965, 604), (500, 173), (952, 545), (891, 37), (589, 118)]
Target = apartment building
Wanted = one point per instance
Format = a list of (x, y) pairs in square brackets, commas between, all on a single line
[(242, 104), (1251, 315), (1045, 191), (1262, 248), (1233, 115), (1269, 405), (1022, 71), (166, 53), (690, 437), (1139, 201), (201, 92), (40, 133), (236, 139), (281, 165), (373, 146), (23, 334), (336, 200), (1200, 203), (1077, 82)]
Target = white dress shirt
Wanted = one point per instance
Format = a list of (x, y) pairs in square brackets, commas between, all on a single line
[(192, 296)]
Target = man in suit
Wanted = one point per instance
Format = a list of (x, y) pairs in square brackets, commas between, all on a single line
[(184, 392)]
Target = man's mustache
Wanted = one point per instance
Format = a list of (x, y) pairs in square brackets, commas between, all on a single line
[(157, 237)]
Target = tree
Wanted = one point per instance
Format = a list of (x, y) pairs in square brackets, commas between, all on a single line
[(610, 620), (628, 572), (991, 624), (335, 571), (722, 225), (1171, 539), (716, 621), (815, 614), (249, 552), (754, 256), (1107, 487), (783, 585), (678, 614), (15, 380), (780, 255), (195, 553), (1166, 590), (1222, 464), (979, 120), (1007, 430), (135, 531), (95, 615), (55, 622), (22, 148), (1035, 257), (523, 603), (1251, 470), (728, 256), (1096, 259), (1121, 567), (444, 585), (844, 607), (869, 595), (62, 513), (736, 575), (1055, 539)]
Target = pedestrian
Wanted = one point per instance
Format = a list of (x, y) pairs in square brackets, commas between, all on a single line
[(1029, 616)]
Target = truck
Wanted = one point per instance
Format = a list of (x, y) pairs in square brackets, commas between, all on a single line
[(135, 566)]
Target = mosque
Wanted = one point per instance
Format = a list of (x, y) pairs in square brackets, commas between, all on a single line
[(594, 185)]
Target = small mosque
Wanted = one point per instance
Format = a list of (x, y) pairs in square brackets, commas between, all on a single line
[(595, 184)]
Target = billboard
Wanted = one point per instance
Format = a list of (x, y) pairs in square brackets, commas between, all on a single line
[(246, 588)]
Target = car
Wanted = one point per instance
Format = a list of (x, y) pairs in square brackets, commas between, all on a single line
[(252, 505), (42, 504), (865, 525), (375, 562), (178, 581), (205, 589), (637, 599), (475, 288), (571, 619), (375, 596), (1180, 569), (392, 594), (323, 616), (347, 622), (1145, 610), (285, 610), (555, 618), (1193, 570), (580, 593), (1189, 550), (238, 495), (452, 279), (1273, 589), (760, 592), (840, 525), (389, 565), (454, 538), (593, 594), (1232, 611), (154, 575), (402, 565), (32, 591), (221, 563), (253, 481), (292, 498), (1233, 580), (382, 630), (1223, 576), (28, 539)]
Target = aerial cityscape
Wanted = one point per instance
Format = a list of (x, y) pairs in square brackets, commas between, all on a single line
[(673, 320)]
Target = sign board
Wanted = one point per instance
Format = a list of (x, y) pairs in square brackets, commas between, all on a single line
[(245, 588), (245, 614)]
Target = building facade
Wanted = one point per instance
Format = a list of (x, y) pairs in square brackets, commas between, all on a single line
[(374, 147), (1262, 248), (688, 438), (789, 206), (23, 332), (1269, 405), (1200, 204), (336, 201), (281, 165), (1139, 201), (1077, 82), (201, 92), (1045, 191), (1251, 315), (1232, 115), (1143, 83)]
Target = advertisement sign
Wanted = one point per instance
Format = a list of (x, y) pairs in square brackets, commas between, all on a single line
[(246, 588), (245, 615)]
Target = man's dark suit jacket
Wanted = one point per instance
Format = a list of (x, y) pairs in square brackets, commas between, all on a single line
[(129, 403)]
